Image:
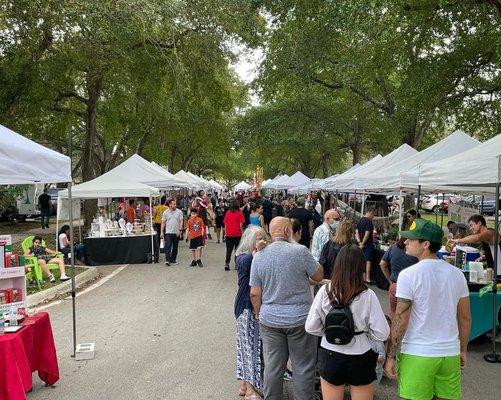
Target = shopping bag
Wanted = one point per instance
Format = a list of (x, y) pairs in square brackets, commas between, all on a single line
[(162, 246)]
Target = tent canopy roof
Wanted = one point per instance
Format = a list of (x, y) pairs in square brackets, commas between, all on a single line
[(24, 161), (243, 186), (110, 185), (474, 171), (404, 175), (137, 169), (296, 179), (357, 179)]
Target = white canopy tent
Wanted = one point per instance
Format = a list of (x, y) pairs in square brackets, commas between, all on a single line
[(477, 170), (215, 185), (203, 183), (327, 181), (277, 181), (332, 184), (312, 185), (110, 185), (137, 169), (270, 181), (24, 161), (357, 180), (192, 182), (242, 186), (294, 180), (404, 175)]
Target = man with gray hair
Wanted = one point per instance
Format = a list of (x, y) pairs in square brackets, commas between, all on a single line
[(324, 232), (281, 298)]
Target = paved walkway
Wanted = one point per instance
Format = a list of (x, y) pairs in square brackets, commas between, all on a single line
[(169, 333)]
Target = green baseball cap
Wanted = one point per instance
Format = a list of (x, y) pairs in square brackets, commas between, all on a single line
[(424, 230)]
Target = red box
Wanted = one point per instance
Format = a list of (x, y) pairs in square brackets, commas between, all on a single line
[(11, 260), (8, 295), (4, 297), (16, 295)]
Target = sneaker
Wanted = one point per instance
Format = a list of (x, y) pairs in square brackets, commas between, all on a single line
[(218, 241), (51, 278), (226, 267), (199, 262), (210, 236), (173, 262), (193, 263), (288, 375), (167, 264), (64, 278)]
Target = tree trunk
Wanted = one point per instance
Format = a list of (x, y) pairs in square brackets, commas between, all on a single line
[(325, 164), (356, 146), (94, 88)]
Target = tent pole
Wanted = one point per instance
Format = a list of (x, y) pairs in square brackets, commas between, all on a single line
[(354, 206), (436, 212), (494, 357), (400, 213), (151, 224), (363, 202), (72, 261), (418, 199)]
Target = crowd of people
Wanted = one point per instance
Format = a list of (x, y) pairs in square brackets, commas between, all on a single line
[(304, 305)]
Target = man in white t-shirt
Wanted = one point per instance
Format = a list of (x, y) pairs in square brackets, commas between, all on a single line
[(170, 231), (432, 321)]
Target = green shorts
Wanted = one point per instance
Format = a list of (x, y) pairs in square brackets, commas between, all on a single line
[(422, 378)]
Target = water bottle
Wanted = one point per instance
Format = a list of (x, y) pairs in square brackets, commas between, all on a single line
[(13, 316)]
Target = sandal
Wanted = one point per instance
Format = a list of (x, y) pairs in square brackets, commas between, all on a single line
[(253, 397)]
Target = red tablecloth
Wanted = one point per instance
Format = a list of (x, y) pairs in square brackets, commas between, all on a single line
[(28, 350)]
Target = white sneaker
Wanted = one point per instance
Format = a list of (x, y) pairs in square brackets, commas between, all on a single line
[(64, 278), (51, 278)]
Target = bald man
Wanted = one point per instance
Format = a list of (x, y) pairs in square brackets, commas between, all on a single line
[(324, 233), (281, 297)]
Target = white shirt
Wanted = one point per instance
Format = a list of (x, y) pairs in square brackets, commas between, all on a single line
[(368, 316), (62, 240), (321, 236), (173, 221), (435, 288)]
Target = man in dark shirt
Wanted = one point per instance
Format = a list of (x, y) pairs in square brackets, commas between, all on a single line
[(44, 203), (364, 235), (246, 211), (306, 218), (267, 211)]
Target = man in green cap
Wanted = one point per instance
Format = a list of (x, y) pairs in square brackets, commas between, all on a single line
[(429, 333)]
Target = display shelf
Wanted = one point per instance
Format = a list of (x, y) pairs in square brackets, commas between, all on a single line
[(13, 278)]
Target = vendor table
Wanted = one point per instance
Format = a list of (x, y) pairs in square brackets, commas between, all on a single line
[(119, 249), (28, 350), (481, 313)]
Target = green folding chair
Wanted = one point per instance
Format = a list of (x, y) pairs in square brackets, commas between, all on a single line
[(32, 262)]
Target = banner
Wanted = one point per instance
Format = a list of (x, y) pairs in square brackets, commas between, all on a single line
[(459, 213)]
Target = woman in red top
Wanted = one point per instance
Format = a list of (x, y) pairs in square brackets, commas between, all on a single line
[(233, 223)]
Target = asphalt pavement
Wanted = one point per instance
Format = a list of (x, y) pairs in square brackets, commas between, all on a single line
[(169, 333)]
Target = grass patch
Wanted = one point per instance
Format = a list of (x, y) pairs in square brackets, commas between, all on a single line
[(18, 226), (33, 288)]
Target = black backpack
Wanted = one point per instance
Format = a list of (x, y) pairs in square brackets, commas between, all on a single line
[(339, 324)]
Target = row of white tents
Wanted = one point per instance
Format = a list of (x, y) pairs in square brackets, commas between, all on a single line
[(458, 163), (137, 177)]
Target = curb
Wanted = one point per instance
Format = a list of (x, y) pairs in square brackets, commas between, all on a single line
[(64, 287)]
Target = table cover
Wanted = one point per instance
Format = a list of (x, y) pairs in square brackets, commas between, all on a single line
[(28, 350), (118, 250)]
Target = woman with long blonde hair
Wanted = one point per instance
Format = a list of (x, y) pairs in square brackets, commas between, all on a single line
[(343, 235)]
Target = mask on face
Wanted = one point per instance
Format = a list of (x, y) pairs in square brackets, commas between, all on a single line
[(333, 224)]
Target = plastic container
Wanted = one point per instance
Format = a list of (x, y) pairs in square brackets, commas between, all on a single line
[(13, 316)]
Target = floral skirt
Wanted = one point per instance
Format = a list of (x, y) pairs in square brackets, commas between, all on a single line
[(249, 350)]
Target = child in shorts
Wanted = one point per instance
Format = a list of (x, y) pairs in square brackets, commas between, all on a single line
[(196, 232)]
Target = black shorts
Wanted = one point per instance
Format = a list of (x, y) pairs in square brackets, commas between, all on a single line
[(219, 223), (196, 243), (368, 252), (346, 369)]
